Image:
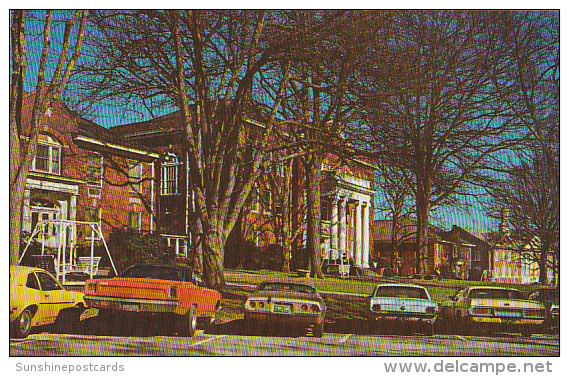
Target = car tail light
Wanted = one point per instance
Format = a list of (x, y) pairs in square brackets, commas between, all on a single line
[(304, 307), (173, 292), (481, 311), (315, 308), (90, 287), (252, 304), (376, 307), (431, 309), (537, 313), (261, 305)]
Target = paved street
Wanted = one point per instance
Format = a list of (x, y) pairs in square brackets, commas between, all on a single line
[(225, 340)]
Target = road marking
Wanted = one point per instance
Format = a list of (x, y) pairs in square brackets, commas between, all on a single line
[(207, 340), (344, 338)]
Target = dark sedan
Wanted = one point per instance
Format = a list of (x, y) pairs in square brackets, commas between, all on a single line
[(286, 304)]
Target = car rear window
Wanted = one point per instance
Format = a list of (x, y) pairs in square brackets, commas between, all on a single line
[(496, 294), (287, 287), (401, 292), (168, 273)]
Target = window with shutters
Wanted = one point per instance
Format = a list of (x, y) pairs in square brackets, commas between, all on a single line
[(95, 170), (135, 176), (48, 155)]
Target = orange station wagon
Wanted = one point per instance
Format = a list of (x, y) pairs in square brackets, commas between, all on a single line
[(163, 290)]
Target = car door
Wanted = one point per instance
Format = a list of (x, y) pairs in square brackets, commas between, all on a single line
[(53, 297), (32, 295)]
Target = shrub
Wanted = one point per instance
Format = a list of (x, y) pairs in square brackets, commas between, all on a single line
[(129, 247)]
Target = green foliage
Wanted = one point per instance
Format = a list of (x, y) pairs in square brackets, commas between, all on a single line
[(129, 247)]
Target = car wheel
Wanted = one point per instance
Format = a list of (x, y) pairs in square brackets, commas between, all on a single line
[(67, 321), (429, 329), (208, 323), (527, 332), (464, 324), (318, 330), (250, 326), (22, 326), (188, 323)]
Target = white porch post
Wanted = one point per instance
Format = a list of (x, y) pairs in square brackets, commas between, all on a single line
[(334, 233), (358, 233), (26, 214), (342, 223), (365, 256)]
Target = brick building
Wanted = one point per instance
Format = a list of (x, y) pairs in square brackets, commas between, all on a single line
[(466, 255), (347, 204), (82, 174), (136, 175)]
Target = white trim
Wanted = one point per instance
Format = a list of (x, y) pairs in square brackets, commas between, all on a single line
[(52, 186), (117, 147)]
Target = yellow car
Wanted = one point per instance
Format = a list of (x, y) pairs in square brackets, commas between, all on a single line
[(37, 298), (492, 308)]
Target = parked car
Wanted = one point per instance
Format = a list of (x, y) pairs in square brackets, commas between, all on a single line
[(284, 303), (402, 304), (550, 299), (37, 298), (492, 309), (170, 292)]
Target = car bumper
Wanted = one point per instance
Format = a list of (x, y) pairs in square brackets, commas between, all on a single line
[(272, 318), (134, 305), (504, 321), (505, 325), (408, 318)]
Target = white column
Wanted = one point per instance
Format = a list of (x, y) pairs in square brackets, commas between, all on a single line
[(365, 248), (358, 233), (26, 213), (343, 227), (334, 233), (72, 217)]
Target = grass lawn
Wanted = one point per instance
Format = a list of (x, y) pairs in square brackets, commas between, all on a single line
[(439, 290)]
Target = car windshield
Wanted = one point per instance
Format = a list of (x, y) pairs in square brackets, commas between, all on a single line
[(401, 292), (496, 294), (168, 273), (287, 287)]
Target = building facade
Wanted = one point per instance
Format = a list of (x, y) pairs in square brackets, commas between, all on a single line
[(456, 253), (347, 199), (82, 175)]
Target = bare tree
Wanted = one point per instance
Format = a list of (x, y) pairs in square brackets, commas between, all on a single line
[(431, 106), (395, 202), (207, 64), (24, 137), (527, 81), (318, 100), (533, 204)]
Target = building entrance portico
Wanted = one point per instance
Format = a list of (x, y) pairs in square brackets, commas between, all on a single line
[(348, 216)]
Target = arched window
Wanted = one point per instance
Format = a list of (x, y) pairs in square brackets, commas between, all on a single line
[(169, 176), (48, 155)]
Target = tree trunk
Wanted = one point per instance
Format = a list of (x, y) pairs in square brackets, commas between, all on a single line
[(16, 205), (422, 236), (313, 215), (213, 245), (544, 251)]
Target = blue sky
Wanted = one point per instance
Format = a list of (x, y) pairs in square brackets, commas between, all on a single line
[(109, 115)]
